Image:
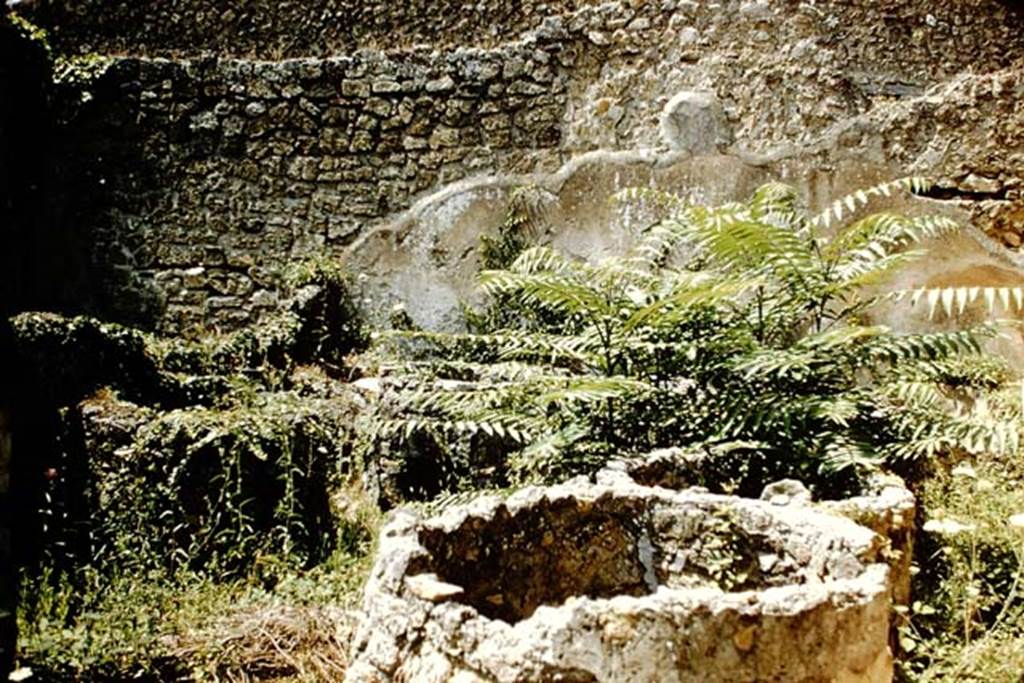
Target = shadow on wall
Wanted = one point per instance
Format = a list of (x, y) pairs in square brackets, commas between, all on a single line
[(51, 188), (100, 164), (39, 264), (47, 262)]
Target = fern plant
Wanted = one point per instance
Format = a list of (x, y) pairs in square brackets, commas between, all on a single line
[(739, 328), (594, 368)]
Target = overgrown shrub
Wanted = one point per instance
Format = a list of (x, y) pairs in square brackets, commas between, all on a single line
[(66, 359), (738, 327), (217, 489), (165, 464)]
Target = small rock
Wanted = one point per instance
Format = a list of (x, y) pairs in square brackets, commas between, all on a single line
[(977, 183), (444, 136), (786, 492), (1011, 239), (430, 588), (355, 89), (442, 84), (370, 385), (759, 11), (744, 638), (255, 108), (688, 36), (207, 120), (386, 86), (618, 628)]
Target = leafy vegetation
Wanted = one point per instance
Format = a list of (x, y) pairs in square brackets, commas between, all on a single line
[(967, 620), (738, 328), (192, 485), (205, 522), (108, 624)]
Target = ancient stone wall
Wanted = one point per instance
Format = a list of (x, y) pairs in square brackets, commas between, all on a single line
[(285, 29), (267, 29), (195, 179), (202, 179)]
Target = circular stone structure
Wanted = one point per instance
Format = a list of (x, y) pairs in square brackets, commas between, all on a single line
[(622, 582), (883, 504)]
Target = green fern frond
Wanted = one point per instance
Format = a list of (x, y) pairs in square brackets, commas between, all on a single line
[(553, 349), (547, 453), (958, 298), (845, 206), (971, 434), (524, 222), (593, 390), (776, 204), (541, 259), (686, 291), (772, 198), (657, 244), (929, 346), (548, 290), (880, 234), (840, 410), (856, 273), (916, 392), (736, 242), (841, 452), (775, 364)]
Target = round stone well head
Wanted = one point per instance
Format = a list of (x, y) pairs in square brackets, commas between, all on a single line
[(881, 502), (620, 582)]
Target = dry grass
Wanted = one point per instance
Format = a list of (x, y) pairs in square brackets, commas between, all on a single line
[(278, 643)]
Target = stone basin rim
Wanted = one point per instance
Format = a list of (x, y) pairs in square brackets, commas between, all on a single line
[(443, 551), (777, 601)]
